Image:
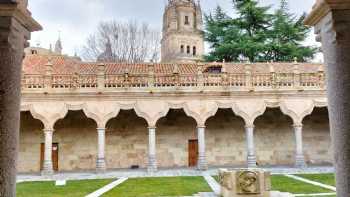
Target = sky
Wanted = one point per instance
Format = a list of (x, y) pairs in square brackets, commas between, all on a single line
[(75, 20)]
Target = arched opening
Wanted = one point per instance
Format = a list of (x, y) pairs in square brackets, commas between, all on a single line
[(194, 51), (76, 140), (175, 134), (274, 138), (316, 138), (30, 138), (188, 50), (225, 139), (126, 141), (182, 49)]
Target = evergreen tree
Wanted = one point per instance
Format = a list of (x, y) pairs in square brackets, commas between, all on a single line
[(257, 35), (286, 37)]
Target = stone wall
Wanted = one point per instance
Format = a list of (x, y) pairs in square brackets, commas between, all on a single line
[(127, 140)]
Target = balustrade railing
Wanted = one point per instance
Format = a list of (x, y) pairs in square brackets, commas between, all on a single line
[(249, 81)]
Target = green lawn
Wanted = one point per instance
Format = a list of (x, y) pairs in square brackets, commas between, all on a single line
[(285, 184), (48, 189), (328, 179), (164, 186)]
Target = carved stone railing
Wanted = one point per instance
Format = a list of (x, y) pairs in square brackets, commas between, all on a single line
[(238, 81)]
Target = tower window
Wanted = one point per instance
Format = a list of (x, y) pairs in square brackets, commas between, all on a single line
[(194, 51), (34, 52), (188, 49), (187, 20), (182, 49)]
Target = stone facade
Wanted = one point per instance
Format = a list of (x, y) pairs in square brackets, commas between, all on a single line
[(127, 145)]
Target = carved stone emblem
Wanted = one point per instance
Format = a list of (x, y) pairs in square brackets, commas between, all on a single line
[(248, 183)]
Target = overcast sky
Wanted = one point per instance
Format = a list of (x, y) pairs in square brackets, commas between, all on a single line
[(76, 19)]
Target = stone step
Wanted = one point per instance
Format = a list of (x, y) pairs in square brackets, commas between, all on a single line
[(205, 194)]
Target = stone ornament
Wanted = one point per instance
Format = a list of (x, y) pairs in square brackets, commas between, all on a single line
[(248, 183)]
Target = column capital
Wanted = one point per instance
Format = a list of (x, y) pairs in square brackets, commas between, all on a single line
[(298, 125), (48, 130), (250, 126), (201, 126), (101, 129), (152, 127)]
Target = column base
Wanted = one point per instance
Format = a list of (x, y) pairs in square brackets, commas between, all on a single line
[(47, 169), (251, 161), (152, 164), (202, 163), (300, 161), (100, 165)]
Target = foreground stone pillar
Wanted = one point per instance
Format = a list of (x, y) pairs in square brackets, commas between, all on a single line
[(15, 27), (331, 19), (299, 153), (202, 161), (48, 165), (152, 159), (251, 158), (101, 161)]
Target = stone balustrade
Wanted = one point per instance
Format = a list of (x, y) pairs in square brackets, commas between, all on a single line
[(229, 81)]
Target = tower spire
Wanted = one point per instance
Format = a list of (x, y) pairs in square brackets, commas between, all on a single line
[(58, 45)]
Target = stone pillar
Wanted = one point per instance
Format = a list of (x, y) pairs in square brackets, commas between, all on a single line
[(47, 166), (202, 161), (299, 153), (251, 158), (332, 26), (101, 161), (15, 27), (152, 159)]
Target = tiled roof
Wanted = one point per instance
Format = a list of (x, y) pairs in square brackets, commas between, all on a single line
[(35, 64)]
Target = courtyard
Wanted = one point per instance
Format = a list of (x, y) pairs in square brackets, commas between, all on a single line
[(310, 184)]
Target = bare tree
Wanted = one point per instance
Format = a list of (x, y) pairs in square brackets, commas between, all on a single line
[(123, 42)]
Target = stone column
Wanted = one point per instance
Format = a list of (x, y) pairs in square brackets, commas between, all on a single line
[(251, 158), (152, 159), (299, 153), (47, 166), (332, 26), (101, 161), (202, 161), (15, 27)]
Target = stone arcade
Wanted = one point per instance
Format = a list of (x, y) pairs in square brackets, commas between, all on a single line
[(98, 116)]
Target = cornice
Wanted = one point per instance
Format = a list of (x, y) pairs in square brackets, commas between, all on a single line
[(323, 7)]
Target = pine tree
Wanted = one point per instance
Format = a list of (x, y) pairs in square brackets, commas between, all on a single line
[(257, 35), (286, 37)]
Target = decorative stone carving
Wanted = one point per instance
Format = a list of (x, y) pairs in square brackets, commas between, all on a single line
[(245, 182)]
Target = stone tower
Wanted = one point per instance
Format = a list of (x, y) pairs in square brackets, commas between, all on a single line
[(183, 37)]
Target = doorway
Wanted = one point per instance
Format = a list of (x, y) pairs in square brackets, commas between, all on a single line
[(54, 156), (192, 153)]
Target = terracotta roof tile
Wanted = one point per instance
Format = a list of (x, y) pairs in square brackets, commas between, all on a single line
[(35, 64)]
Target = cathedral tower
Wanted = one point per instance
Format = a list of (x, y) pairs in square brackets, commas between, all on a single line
[(183, 37)]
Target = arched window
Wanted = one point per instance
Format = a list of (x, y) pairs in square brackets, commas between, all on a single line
[(182, 49), (194, 51), (188, 49)]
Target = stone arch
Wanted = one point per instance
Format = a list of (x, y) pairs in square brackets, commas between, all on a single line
[(226, 139), (318, 149), (200, 110), (172, 137), (126, 140), (274, 124), (151, 111), (249, 110), (297, 109), (74, 154)]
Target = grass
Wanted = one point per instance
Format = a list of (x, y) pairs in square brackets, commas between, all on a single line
[(48, 189), (163, 186), (285, 184), (328, 179)]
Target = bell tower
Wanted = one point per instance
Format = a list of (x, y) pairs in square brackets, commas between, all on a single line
[(183, 37)]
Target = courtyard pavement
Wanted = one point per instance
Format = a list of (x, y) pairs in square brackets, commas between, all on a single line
[(112, 174)]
